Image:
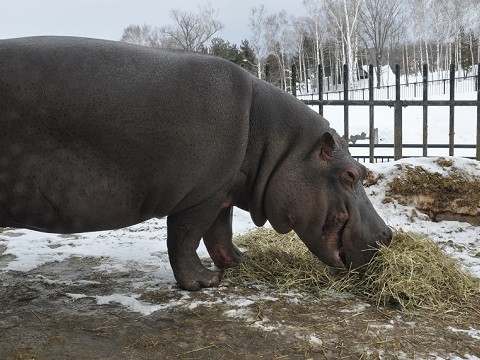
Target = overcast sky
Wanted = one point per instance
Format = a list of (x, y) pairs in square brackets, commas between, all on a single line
[(106, 19)]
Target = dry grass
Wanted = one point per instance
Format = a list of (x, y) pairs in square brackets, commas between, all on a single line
[(412, 272)]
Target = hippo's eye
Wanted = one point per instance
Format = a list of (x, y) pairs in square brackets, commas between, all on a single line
[(350, 176)]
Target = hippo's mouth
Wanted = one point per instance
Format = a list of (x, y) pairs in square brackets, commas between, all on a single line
[(334, 230)]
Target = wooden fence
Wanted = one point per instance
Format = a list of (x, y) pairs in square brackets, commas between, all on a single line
[(398, 105)]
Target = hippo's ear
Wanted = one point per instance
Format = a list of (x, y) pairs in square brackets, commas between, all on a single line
[(325, 146)]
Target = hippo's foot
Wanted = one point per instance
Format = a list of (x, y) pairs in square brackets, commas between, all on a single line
[(218, 240), (224, 255), (196, 278)]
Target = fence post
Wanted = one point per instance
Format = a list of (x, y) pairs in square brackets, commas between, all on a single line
[(320, 89), (371, 110), (425, 110), (306, 79), (345, 97), (478, 112), (398, 117), (451, 132), (294, 80)]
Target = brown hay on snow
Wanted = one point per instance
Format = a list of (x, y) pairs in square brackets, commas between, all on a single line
[(411, 272)]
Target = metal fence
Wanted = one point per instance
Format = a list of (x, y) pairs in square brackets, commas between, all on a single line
[(398, 105), (407, 91)]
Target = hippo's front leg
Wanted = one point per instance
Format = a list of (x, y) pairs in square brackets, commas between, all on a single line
[(218, 239), (184, 231)]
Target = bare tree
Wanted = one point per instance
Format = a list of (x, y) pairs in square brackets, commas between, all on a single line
[(418, 13), (257, 27), (318, 20), (471, 23), (278, 40), (344, 16), (145, 35), (300, 31), (380, 21), (191, 31)]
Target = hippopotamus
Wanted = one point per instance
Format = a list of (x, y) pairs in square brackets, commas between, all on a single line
[(99, 135)]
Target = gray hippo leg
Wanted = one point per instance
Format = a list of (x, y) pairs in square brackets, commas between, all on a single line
[(184, 232), (218, 239)]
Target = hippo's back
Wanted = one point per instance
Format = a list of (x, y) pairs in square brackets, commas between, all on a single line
[(122, 131)]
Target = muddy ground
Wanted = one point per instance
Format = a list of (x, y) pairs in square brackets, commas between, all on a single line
[(41, 319)]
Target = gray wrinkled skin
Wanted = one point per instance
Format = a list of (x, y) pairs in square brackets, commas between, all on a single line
[(99, 135)]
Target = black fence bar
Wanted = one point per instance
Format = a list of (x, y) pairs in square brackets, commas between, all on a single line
[(416, 146), (294, 80), (387, 158), (425, 110), (371, 112), (320, 88), (391, 103), (345, 98), (397, 152), (478, 112), (451, 131), (407, 89)]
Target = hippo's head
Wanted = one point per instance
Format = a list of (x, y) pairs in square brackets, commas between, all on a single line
[(321, 197)]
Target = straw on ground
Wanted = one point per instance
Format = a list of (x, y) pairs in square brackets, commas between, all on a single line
[(412, 272)]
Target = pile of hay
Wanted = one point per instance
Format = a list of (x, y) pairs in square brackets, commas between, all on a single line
[(453, 194), (411, 272)]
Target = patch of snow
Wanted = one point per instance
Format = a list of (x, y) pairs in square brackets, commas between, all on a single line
[(195, 304), (382, 326), (474, 333), (314, 340), (237, 313), (129, 301), (76, 296), (63, 282), (358, 308), (260, 324)]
